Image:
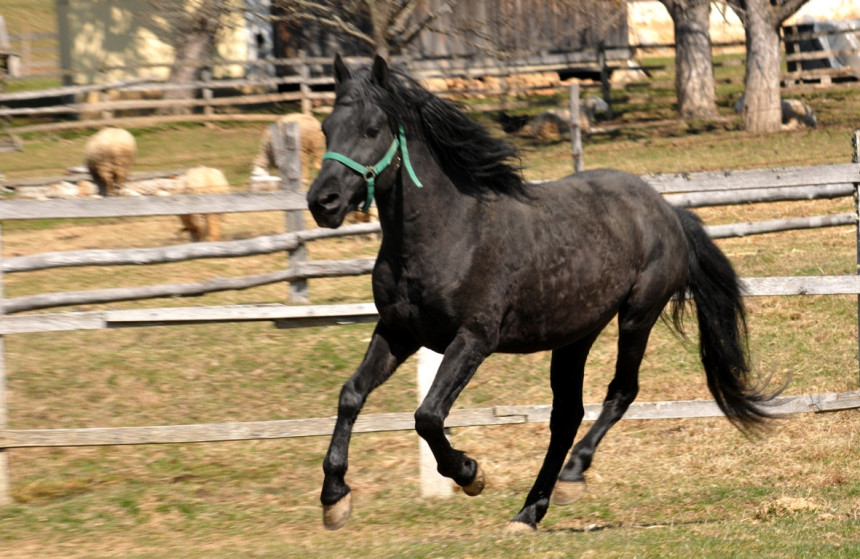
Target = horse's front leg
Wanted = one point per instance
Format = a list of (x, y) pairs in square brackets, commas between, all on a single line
[(461, 359), (384, 354)]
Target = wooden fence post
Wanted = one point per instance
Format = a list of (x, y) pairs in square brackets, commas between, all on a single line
[(575, 130), (207, 96), (286, 146), (104, 114), (855, 142), (604, 77), (304, 87), (433, 484)]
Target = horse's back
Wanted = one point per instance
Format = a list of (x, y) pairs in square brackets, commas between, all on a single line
[(606, 202), (628, 189)]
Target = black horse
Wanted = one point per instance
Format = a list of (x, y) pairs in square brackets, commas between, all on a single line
[(475, 261)]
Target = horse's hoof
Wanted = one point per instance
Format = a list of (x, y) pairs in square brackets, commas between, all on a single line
[(567, 492), (477, 484), (517, 527), (336, 515)]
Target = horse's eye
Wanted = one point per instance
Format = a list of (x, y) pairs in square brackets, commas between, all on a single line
[(372, 132)]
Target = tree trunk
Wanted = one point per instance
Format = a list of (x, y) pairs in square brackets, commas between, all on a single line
[(186, 66), (694, 67), (195, 34), (761, 109)]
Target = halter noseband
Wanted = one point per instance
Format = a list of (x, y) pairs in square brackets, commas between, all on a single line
[(370, 172)]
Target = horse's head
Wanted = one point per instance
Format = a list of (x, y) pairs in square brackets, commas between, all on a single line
[(362, 146)]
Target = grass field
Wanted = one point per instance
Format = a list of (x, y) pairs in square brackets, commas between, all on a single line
[(673, 488)]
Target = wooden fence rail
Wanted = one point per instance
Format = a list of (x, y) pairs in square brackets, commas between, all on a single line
[(711, 189), (800, 36), (397, 421), (688, 189)]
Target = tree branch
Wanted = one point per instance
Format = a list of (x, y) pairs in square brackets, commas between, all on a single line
[(787, 8), (409, 33)]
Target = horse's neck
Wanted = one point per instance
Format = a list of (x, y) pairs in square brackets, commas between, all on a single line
[(414, 217)]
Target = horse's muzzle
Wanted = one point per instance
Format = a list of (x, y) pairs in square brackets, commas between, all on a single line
[(328, 208)]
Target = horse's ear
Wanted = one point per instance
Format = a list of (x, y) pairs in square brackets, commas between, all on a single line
[(341, 72), (380, 72)]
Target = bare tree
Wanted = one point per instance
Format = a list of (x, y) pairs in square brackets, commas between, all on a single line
[(761, 20), (694, 65), (192, 28), (392, 24)]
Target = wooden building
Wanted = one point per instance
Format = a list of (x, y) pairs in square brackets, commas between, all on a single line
[(545, 34), (104, 42)]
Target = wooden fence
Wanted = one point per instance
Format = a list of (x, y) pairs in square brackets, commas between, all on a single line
[(687, 190), (807, 60), (308, 86)]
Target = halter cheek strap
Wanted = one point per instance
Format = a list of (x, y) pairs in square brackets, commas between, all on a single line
[(370, 172)]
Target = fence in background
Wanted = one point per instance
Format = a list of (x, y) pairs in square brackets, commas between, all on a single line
[(822, 55), (307, 84)]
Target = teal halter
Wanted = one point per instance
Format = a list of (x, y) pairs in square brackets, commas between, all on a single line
[(370, 172)]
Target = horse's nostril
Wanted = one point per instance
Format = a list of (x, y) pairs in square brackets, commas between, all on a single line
[(330, 200)]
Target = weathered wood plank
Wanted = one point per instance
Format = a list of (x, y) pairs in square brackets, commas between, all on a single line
[(311, 269), (701, 199), (802, 285), (138, 206), (398, 421), (31, 182), (178, 253), (286, 241), (296, 316), (757, 178), (682, 409), (776, 225), (52, 322), (282, 315), (238, 313)]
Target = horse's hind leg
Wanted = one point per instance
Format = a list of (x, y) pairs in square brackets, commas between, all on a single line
[(566, 373), (632, 339)]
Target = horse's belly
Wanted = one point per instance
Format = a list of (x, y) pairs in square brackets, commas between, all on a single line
[(563, 308)]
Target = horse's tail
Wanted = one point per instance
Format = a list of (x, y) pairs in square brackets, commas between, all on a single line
[(712, 282)]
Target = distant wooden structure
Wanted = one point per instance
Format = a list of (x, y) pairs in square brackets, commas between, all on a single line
[(822, 51), (6, 54), (8, 142), (113, 41), (540, 35)]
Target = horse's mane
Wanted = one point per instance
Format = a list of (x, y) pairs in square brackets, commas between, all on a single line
[(476, 162)]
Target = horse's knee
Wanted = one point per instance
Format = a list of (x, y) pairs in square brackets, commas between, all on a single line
[(351, 400)]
